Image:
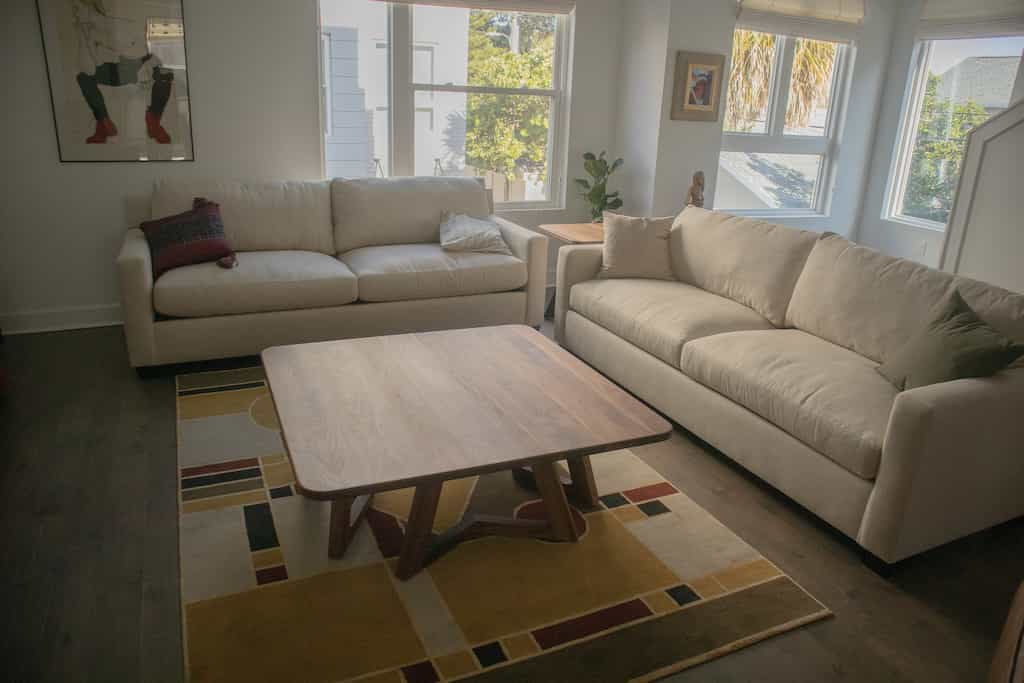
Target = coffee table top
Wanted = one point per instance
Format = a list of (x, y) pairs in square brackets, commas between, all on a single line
[(378, 413)]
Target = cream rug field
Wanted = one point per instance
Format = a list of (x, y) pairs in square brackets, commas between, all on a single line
[(655, 585)]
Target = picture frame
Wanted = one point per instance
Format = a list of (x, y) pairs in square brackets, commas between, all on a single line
[(118, 78), (697, 86)]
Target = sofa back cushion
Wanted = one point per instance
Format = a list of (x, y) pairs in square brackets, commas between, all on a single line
[(1000, 308), (379, 211), (862, 299), (752, 262), (269, 216)]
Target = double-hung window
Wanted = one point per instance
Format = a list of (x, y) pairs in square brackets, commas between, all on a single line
[(445, 89), (956, 84), (781, 117)]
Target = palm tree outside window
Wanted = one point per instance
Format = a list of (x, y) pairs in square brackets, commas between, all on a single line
[(781, 116)]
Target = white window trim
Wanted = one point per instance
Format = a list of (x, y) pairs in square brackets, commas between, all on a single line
[(402, 110), (910, 118), (776, 141)]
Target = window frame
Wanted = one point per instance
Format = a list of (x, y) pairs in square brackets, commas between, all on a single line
[(776, 141), (402, 108), (910, 121)]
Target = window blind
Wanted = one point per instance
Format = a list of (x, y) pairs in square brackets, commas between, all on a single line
[(835, 20), (975, 19), (542, 6), (846, 11)]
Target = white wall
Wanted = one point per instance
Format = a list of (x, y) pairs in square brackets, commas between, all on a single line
[(253, 80), (640, 81), (254, 116)]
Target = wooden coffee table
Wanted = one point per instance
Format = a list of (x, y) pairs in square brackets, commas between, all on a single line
[(366, 415)]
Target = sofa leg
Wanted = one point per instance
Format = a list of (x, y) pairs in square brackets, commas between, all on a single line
[(878, 566)]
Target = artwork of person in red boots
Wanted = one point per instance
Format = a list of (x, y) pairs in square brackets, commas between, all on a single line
[(105, 44)]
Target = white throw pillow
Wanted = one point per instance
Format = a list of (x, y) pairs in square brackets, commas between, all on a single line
[(460, 232), (636, 247)]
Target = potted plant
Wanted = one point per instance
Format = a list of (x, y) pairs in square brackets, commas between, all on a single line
[(596, 189)]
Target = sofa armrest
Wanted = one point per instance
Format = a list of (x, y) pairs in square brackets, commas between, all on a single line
[(135, 273), (531, 248), (952, 464), (576, 263)]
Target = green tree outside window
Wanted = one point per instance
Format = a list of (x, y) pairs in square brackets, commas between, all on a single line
[(508, 134), (938, 153)]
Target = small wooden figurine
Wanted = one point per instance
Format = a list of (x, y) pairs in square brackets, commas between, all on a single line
[(695, 195)]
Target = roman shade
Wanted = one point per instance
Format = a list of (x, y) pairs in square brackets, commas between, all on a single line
[(543, 6), (978, 18), (849, 11), (834, 20)]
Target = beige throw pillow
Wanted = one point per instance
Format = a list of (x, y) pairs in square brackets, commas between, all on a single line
[(636, 247), (460, 232)]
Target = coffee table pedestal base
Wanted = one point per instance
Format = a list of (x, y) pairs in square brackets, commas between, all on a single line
[(419, 549), (346, 514)]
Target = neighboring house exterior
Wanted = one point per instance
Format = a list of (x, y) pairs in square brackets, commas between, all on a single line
[(986, 80), (356, 90)]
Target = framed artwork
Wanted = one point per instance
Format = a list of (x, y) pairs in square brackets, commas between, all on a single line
[(118, 79), (697, 86)]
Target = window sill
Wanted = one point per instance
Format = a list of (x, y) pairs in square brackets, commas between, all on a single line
[(516, 207), (919, 223)]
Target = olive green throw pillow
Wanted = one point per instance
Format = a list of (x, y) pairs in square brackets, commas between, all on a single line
[(955, 344)]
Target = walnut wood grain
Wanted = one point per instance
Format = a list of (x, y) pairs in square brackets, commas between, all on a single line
[(574, 233), (374, 414), (416, 544), (346, 514)]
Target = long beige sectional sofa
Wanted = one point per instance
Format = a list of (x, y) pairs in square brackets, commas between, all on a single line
[(765, 346), (325, 260)]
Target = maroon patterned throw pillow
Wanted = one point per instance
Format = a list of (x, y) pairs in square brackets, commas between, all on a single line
[(195, 236)]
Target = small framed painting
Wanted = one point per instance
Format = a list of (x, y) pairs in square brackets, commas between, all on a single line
[(698, 86), (118, 79)]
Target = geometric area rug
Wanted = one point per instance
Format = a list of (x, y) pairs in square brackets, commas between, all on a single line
[(655, 584)]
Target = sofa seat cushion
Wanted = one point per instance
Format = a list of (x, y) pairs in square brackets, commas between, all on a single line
[(262, 281), (659, 316), (829, 397), (400, 272)]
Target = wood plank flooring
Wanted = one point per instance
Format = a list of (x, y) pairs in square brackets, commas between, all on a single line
[(90, 560)]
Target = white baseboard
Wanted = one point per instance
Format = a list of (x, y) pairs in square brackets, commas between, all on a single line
[(56, 319)]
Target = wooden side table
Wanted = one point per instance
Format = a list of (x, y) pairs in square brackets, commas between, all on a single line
[(574, 233), (571, 233)]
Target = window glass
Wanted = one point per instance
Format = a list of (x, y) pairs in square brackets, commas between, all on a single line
[(486, 48), (503, 138), (355, 88), (751, 181), (810, 86), (474, 94), (965, 82), (750, 82)]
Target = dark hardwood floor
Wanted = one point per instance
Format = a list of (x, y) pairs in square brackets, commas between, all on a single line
[(90, 559)]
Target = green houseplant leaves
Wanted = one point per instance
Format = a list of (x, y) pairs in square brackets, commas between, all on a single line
[(595, 190)]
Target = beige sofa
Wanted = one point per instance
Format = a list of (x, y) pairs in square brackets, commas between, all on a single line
[(765, 346), (325, 260)]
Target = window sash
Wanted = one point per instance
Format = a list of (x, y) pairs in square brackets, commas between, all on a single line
[(777, 141), (402, 100)]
